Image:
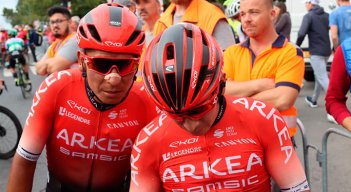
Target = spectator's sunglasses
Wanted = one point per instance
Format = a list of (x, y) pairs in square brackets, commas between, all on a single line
[(104, 65), (193, 114)]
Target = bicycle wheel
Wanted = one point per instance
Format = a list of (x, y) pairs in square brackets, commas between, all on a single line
[(10, 133)]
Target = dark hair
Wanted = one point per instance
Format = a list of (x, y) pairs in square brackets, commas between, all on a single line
[(281, 6), (59, 9)]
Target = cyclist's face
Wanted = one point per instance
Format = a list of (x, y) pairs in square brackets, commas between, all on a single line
[(112, 87), (199, 126), (59, 25)]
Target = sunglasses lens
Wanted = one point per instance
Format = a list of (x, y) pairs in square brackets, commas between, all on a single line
[(194, 114), (102, 65)]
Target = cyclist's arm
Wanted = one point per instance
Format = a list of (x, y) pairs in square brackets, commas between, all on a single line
[(36, 131), (280, 157), (144, 164), (21, 174)]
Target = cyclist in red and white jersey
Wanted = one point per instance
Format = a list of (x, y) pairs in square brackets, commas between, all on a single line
[(205, 141), (88, 118)]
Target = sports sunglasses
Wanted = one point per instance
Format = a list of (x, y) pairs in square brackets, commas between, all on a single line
[(104, 65)]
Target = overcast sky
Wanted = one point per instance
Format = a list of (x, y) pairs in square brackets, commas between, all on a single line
[(11, 4)]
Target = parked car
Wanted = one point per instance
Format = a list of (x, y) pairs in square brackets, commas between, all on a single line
[(309, 76)]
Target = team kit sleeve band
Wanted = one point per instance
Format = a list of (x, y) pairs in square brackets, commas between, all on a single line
[(300, 187), (26, 154)]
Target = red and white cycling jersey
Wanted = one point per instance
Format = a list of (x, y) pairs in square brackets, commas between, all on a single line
[(87, 149), (248, 145)]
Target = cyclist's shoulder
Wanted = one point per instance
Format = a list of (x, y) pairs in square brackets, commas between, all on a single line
[(249, 108), (138, 92), (62, 79), (155, 130)]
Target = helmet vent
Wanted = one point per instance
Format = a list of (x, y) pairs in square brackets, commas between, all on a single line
[(204, 41), (158, 87), (189, 33), (142, 39), (82, 32), (132, 38), (202, 77), (170, 52), (170, 79), (94, 33)]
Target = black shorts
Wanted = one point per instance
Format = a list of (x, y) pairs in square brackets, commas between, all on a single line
[(20, 59)]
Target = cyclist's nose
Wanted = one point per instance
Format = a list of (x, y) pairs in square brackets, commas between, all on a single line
[(113, 77)]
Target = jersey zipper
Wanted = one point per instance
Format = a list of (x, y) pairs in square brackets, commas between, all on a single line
[(97, 133)]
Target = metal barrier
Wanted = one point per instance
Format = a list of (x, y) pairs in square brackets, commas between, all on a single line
[(305, 146), (320, 156)]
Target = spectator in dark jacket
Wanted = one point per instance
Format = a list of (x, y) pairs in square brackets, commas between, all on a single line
[(33, 36), (282, 22), (315, 24)]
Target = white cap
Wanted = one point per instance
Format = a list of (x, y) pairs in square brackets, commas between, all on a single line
[(314, 2)]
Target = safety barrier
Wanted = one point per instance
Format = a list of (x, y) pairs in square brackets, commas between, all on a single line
[(305, 147), (321, 156)]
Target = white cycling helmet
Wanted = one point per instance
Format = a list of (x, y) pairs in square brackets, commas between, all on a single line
[(233, 8)]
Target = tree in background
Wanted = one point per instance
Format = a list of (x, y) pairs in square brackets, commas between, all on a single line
[(28, 11)]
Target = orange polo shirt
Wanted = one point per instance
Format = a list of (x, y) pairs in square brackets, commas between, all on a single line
[(282, 61), (200, 13)]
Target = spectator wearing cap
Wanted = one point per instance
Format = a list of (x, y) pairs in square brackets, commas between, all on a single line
[(315, 25), (74, 24), (128, 3), (149, 12)]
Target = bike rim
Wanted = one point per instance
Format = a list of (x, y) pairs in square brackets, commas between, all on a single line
[(8, 134)]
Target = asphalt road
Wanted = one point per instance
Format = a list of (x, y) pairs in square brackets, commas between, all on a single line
[(314, 121)]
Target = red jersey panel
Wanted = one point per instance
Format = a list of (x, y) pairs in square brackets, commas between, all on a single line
[(86, 148), (250, 144)]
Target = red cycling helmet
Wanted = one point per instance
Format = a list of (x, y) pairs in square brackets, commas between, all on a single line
[(113, 28), (182, 68)]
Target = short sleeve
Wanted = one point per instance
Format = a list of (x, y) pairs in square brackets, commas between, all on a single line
[(69, 49)]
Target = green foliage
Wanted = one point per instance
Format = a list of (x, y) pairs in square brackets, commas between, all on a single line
[(29, 10)]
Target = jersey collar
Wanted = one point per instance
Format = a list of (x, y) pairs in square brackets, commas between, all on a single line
[(278, 43)]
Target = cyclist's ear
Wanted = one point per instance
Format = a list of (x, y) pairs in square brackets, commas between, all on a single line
[(222, 83), (81, 64)]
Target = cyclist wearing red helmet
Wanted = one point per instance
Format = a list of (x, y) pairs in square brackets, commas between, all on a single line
[(88, 118), (209, 142)]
